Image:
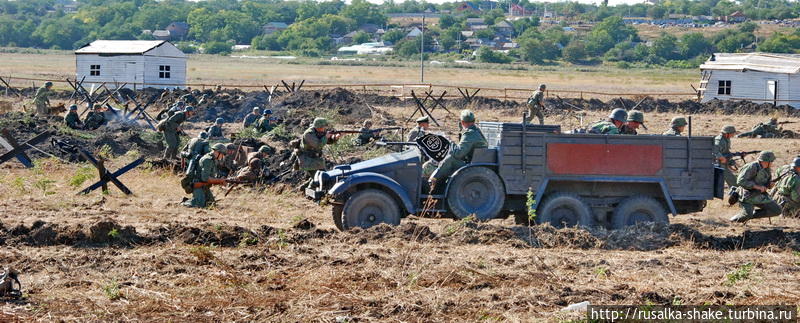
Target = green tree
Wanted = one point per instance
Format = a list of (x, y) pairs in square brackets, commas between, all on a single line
[(536, 51), (608, 33), (487, 55), (361, 37), (693, 44), (217, 47), (574, 52), (657, 12), (393, 35), (665, 47), (781, 43), (363, 12)]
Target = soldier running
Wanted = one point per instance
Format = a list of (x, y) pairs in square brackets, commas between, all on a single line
[(634, 120), (722, 148), (536, 105), (42, 99), (72, 119), (753, 182), (206, 175), (461, 154), (423, 123), (677, 126), (172, 128), (251, 118), (787, 190), (610, 126)]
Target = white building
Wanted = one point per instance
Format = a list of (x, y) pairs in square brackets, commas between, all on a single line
[(757, 77), (140, 63), (365, 49)]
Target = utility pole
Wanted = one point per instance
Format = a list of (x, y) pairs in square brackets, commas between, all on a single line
[(422, 52)]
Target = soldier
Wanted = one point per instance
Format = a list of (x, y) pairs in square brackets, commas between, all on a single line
[(753, 182), (215, 131), (264, 124), (460, 155), (422, 127), (610, 126), (196, 146), (177, 107), (252, 117), (722, 148), (764, 130), (205, 174), (255, 167), (366, 134), (309, 155), (787, 190), (536, 105), (72, 119), (678, 125), (94, 119), (172, 128), (634, 120), (227, 166), (42, 99)]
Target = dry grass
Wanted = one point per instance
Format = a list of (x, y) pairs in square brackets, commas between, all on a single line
[(299, 275), (652, 32), (211, 69)]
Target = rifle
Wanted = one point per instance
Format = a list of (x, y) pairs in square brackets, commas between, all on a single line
[(395, 143), (359, 131), (234, 183), (218, 181), (741, 155), (786, 122)]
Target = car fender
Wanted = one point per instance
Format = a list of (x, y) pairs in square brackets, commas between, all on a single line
[(488, 165), (374, 178)]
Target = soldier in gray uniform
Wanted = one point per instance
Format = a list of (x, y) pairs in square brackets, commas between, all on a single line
[(205, 174), (423, 123), (461, 154), (536, 105), (252, 117), (722, 147)]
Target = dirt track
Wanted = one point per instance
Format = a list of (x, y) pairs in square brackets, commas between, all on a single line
[(274, 256)]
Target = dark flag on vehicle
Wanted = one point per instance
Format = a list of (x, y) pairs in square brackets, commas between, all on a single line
[(434, 146)]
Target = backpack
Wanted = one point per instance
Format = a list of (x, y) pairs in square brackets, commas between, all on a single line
[(190, 176)]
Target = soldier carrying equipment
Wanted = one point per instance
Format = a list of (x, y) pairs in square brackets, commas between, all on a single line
[(536, 105), (722, 148), (753, 182), (171, 127), (252, 117), (202, 175), (42, 99), (787, 189)]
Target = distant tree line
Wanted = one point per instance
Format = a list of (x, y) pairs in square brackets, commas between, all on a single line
[(215, 25)]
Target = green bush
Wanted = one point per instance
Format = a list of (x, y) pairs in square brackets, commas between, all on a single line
[(216, 47)]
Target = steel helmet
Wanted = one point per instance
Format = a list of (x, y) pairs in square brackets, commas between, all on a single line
[(796, 162), (467, 116), (367, 123), (320, 122), (180, 103), (189, 109), (256, 110), (219, 121), (728, 129), (203, 135), (267, 111), (73, 107), (636, 116), (218, 147), (48, 83), (678, 122), (542, 86), (230, 146), (618, 114), (264, 149), (766, 156)]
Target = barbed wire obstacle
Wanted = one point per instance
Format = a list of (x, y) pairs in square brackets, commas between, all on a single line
[(16, 150)]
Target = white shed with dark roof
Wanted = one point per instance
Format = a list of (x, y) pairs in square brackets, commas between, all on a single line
[(756, 77), (140, 63)]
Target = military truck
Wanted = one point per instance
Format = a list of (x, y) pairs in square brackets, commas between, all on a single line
[(575, 179)]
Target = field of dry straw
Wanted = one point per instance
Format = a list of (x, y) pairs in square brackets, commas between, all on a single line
[(275, 256)]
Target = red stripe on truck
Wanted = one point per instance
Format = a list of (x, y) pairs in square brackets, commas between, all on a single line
[(603, 159)]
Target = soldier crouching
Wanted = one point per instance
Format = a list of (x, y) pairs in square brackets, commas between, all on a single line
[(753, 182), (787, 190)]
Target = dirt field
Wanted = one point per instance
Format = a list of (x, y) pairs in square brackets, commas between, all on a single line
[(275, 256), (211, 69)]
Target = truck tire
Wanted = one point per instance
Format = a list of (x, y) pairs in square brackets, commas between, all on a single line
[(478, 191), (563, 209), (368, 208), (637, 209), (336, 213)]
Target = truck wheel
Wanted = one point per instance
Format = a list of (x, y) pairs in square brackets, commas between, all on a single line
[(370, 207), (563, 209), (638, 209), (478, 191), (336, 213)]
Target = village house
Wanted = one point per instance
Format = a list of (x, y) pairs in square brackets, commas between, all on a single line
[(757, 77), (178, 30), (139, 63)]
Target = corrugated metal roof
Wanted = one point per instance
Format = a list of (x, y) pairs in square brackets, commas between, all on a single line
[(761, 62), (119, 46)]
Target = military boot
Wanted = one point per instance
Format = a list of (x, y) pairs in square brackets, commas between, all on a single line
[(733, 196)]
